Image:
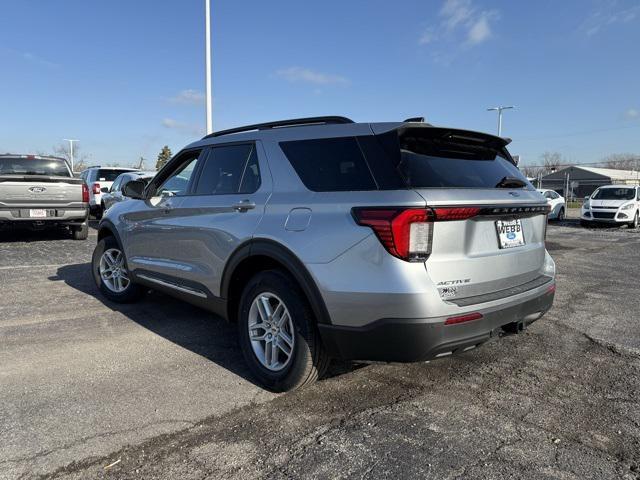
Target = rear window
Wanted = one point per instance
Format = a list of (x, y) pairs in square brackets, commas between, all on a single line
[(436, 158), (330, 164), (614, 194), (33, 166), (109, 175)]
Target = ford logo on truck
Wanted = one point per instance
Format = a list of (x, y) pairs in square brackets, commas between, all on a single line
[(38, 189)]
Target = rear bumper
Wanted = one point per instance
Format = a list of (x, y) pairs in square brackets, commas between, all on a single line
[(411, 340), (19, 217)]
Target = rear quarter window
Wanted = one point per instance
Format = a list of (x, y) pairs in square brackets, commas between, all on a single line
[(330, 164)]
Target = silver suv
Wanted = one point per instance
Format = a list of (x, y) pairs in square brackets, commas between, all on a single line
[(324, 238)]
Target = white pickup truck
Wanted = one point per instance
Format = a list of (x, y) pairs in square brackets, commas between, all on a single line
[(41, 192)]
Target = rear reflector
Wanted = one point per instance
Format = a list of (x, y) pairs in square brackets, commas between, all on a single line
[(552, 289), (463, 318)]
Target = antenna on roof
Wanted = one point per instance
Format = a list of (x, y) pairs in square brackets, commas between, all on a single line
[(414, 120)]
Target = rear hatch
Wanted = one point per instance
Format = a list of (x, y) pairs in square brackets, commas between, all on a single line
[(487, 223), (28, 180)]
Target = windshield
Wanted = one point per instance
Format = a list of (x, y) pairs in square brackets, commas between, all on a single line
[(109, 175), (614, 194), (33, 166)]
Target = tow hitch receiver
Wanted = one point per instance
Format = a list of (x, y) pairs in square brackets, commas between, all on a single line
[(514, 328)]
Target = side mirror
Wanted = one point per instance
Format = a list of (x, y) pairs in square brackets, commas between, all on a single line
[(134, 189), (104, 189)]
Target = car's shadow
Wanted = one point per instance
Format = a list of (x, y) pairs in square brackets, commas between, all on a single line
[(27, 235), (189, 327)]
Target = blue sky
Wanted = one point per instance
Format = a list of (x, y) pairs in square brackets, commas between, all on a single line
[(126, 77)]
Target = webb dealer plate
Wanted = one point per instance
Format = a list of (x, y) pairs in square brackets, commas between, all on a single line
[(510, 233)]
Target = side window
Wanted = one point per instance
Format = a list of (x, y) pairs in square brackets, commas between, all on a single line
[(228, 170), (329, 164), (178, 182), (547, 195)]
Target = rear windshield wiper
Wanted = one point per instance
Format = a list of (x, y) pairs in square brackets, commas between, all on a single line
[(511, 182)]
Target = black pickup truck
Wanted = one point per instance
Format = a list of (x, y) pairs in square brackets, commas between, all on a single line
[(41, 192)]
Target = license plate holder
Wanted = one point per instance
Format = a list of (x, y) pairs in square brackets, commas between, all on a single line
[(510, 233), (37, 213)]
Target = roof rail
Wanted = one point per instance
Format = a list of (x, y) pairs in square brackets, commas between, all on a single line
[(283, 123)]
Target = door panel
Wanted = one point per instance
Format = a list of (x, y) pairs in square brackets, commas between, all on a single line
[(152, 228), (213, 226)]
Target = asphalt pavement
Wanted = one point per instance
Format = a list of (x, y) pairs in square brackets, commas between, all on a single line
[(158, 389)]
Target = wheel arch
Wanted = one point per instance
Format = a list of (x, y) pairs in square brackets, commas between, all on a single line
[(259, 255)]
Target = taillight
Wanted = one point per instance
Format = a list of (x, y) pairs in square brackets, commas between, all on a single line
[(406, 233), (96, 188), (85, 193), (455, 213)]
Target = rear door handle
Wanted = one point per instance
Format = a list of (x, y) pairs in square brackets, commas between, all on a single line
[(243, 205)]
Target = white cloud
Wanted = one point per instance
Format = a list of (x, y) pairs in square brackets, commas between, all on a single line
[(191, 129), (607, 15), (460, 21), (479, 31), (456, 12), (188, 97), (306, 75), (632, 114)]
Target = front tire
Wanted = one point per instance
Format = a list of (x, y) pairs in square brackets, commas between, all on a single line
[(278, 334), (634, 223), (111, 274), (560, 216)]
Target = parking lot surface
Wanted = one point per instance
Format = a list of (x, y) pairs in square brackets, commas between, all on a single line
[(158, 389)]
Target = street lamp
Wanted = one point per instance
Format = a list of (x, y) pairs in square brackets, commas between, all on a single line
[(499, 110), (207, 50), (70, 140)]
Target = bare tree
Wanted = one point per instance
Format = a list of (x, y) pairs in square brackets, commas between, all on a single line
[(551, 161), (531, 171), (79, 157), (622, 161)]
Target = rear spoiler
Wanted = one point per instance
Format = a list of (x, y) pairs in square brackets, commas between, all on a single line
[(464, 138), (41, 179)]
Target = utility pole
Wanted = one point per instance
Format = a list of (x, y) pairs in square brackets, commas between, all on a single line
[(499, 110), (207, 49), (70, 140)]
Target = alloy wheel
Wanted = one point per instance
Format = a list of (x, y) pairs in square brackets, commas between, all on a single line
[(113, 273), (271, 331)]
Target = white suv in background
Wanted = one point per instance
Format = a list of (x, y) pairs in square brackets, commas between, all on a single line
[(556, 204), (99, 179), (613, 204)]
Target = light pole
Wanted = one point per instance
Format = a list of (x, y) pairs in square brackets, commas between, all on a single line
[(499, 110), (70, 140), (207, 49)]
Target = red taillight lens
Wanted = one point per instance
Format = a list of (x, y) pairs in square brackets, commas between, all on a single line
[(405, 233), (455, 213), (463, 318), (96, 188), (85, 193)]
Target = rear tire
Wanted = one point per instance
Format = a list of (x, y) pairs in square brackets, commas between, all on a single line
[(109, 262), (307, 359), (99, 212), (80, 232)]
